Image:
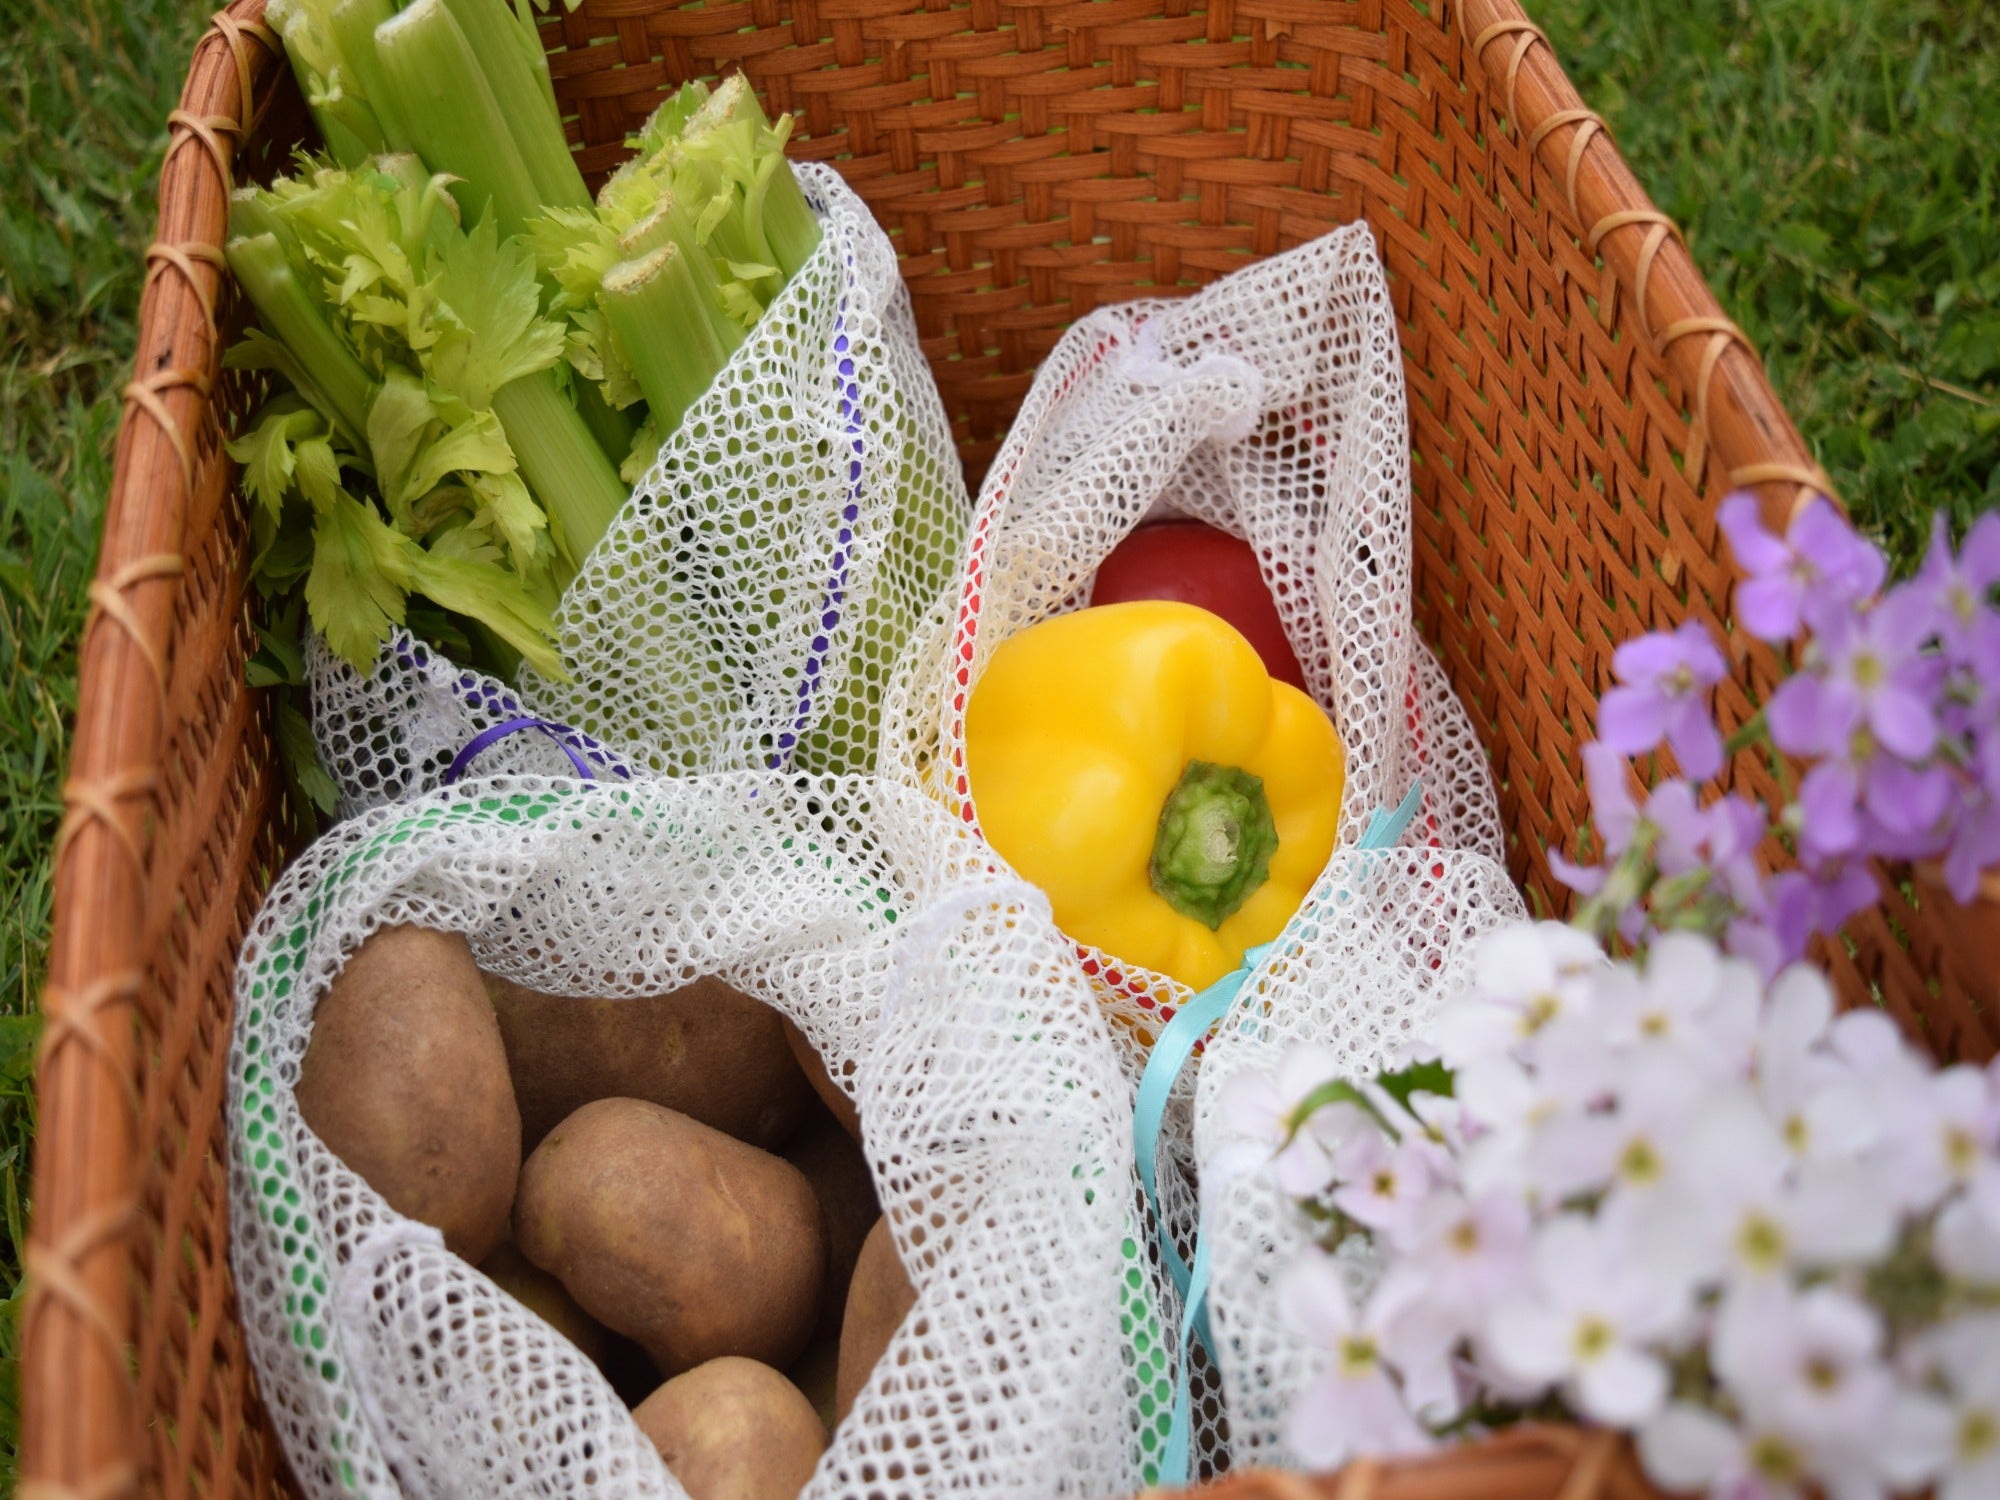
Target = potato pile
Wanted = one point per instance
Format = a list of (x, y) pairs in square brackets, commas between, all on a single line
[(693, 1206)]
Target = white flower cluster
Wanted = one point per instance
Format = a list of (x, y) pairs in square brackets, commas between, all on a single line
[(1763, 1238)]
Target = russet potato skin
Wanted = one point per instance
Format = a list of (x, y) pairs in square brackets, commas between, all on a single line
[(733, 1429), (878, 1300), (830, 1093), (707, 1050), (841, 1181), (405, 1080), (674, 1234)]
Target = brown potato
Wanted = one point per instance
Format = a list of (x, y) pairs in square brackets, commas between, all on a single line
[(840, 1179), (733, 1429), (545, 1297), (877, 1302), (405, 1080), (706, 1050), (674, 1234), (831, 1094)]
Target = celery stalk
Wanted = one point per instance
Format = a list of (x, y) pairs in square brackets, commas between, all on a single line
[(352, 25), (610, 426), (668, 225), (561, 460), (289, 312), (346, 120), (455, 122), (529, 112), (530, 43), (654, 305)]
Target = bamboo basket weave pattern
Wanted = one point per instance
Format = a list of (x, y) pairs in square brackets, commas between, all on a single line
[(1578, 405)]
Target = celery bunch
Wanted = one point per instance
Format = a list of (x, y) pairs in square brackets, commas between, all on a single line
[(462, 399)]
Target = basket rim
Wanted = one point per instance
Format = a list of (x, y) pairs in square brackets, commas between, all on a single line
[(81, 1432)]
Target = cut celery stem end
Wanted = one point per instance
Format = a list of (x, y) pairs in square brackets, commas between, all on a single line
[(352, 24), (612, 428), (561, 460), (456, 124), (668, 225), (291, 315), (495, 36), (655, 307)]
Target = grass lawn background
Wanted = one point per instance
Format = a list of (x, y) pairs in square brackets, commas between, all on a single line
[(1835, 163)]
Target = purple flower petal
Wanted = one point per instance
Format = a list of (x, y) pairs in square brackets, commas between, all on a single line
[(1612, 809), (1902, 720), (1585, 880), (1633, 720), (1757, 550), (1807, 719), (1979, 557), (1975, 850), (1904, 799), (1648, 657), (1848, 565), (1827, 797), (1769, 607), (1696, 741)]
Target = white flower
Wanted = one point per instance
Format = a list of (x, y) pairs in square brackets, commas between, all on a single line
[(1635, 1147), (1526, 976), (1946, 1135), (1462, 1258), (1808, 1364), (1592, 1312), (1756, 1214), (1353, 1408), (1967, 1240), (1950, 1436), (1689, 1001), (1822, 1108), (1689, 1448), (1382, 1182), (1261, 1107)]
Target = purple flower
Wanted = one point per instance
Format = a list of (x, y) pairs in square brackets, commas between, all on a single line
[(1736, 829), (1803, 904), (1958, 587), (1820, 569), (1975, 846), (1667, 682), (1873, 673)]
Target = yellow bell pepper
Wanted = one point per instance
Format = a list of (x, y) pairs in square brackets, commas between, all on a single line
[(1137, 763)]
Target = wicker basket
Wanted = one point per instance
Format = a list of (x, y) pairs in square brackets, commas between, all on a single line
[(1578, 406)]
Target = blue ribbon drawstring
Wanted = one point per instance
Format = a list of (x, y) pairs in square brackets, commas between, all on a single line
[(490, 735), (1176, 1044)]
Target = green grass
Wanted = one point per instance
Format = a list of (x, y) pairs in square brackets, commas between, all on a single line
[(1833, 162), (1835, 165), (85, 86)]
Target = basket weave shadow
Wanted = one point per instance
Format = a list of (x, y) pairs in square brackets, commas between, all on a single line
[(1578, 406)]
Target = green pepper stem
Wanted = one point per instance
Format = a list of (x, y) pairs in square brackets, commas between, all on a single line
[(1215, 842)]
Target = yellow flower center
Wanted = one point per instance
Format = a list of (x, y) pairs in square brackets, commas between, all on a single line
[(1796, 1134), (1978, 1434), (1654, 1024), (1465, 1236), (1541, 1010), (1868, 670), (1961, 1151), (1776, 1460), (1357, 1356), (1594, 1338), (1639, 1163), (1384, 1183), (1761, 1242), (1822, 1374)]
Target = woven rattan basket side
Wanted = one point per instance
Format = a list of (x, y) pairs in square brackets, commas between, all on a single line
[(1578, 406)]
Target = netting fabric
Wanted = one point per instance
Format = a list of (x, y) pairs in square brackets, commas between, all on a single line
[(1270, 405), (996, 1121), (750, 602)]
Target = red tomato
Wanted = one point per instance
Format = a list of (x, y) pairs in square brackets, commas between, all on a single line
[(1199, 565)]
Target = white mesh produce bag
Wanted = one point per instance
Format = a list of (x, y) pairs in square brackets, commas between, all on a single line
[(995, 1115), (750, 601), (1269, 405)]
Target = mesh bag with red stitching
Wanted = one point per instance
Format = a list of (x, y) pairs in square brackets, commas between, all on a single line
[(1269, 405)]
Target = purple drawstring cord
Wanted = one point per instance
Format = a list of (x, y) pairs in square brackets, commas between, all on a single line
[(497, 732)]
